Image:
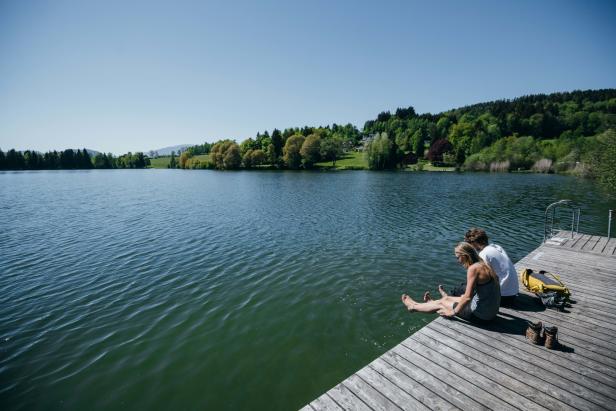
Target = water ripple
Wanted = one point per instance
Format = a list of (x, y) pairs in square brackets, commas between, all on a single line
[(167, 289)]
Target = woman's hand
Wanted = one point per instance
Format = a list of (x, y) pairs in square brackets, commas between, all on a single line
[(446, 312)]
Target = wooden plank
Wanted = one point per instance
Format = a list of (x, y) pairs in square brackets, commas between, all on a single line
[(409, 366), (473, 384), (572, 273), (410, 385), (369, 395), (399, 397), (572, 262), (600, 329), (563, 265), (592, 245), (530, 386), (569, 336), (441, 375), (577, 239), (521, 348), (611, 247), (595, 311), (325, 403), (346, 399), (573, 319), (600, 246), (591, 241), (555, 249), (564, 236), (584, 387)]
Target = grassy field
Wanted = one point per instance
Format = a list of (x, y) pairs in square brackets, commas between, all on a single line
[(424, 165), (351, 160), (159, 162), (163, 162)]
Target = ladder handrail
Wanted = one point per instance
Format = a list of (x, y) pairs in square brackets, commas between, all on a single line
[(550, 215)]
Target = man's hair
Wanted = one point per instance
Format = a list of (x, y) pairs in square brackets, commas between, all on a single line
[(476, 235)]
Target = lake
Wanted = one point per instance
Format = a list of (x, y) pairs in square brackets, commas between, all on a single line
[(173, 289)]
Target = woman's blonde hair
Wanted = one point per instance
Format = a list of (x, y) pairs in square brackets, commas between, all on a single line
[(470, 257)]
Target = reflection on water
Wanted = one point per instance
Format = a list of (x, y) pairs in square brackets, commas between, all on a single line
[(166, 289)]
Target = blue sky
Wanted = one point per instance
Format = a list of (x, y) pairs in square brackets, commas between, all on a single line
[(124, 76)]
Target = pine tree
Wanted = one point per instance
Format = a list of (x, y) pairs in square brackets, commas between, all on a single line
[(173, 162)]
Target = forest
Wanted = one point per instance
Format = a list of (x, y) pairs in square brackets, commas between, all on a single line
[(69, 160), (571, 132), (568, 132)]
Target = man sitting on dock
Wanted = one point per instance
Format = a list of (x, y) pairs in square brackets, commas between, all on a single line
[(500, 262)]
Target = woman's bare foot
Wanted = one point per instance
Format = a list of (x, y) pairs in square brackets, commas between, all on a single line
[(408, 302), (427, 297), (442, 291)]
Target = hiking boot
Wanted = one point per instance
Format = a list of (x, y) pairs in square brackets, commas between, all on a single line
[(533, 333), (551, 337)]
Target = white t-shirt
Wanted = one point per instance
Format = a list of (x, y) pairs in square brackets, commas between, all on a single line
[(498, 259)]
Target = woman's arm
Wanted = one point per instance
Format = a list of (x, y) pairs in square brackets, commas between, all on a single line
[(471, 279)]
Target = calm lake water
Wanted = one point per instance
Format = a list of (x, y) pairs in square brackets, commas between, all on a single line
[(171, 289)]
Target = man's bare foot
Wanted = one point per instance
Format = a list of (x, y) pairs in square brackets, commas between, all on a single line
[(442, 291), (427, 297), (408, 302)]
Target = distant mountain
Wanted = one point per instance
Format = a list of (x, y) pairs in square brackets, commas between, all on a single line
[(166, 151), (91, 152)]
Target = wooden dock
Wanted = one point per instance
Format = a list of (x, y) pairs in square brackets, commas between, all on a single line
[(451, 364)]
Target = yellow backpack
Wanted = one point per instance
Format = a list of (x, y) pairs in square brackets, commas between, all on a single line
[(543, 282)]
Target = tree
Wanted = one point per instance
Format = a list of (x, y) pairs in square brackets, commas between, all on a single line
[(99, 160), (247, 159), (380, 152), (51, 160), (405, 113), (172, 162), (248, 144), (383, 116), (277, 144), (184, 157), (86, 161), (404, 140), (32, 160), (603, 160), (438, 148), (291, 151), (232, 158), (331, 149), (67, 159), (311, 150), (14, 160), (257, 157), (225, 155), (419, 139)]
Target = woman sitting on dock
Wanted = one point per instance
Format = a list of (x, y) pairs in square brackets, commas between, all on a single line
[(481, 299)]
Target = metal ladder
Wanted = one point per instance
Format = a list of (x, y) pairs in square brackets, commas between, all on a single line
[(550, 218)]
